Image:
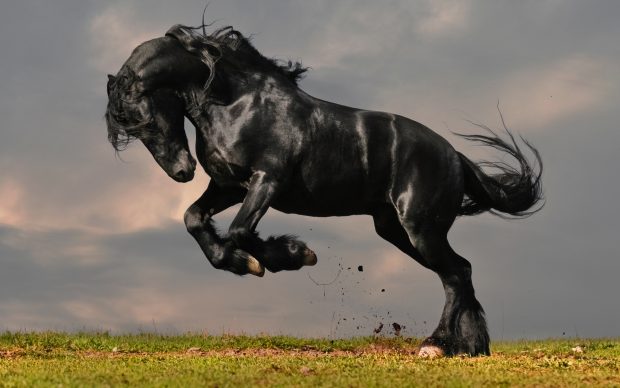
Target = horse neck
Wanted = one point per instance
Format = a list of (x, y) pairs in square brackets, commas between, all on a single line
[(247, 95)]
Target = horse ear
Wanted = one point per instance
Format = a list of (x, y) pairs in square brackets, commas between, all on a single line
[(111, 80)]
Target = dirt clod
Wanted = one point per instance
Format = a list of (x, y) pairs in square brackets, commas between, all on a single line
[(397, 328)]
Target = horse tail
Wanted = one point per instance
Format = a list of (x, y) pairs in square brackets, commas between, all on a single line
[(508, 192)]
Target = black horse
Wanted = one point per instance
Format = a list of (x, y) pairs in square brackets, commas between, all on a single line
[(266, 143)]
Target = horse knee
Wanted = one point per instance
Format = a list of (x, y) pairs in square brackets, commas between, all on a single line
[(193, 219)]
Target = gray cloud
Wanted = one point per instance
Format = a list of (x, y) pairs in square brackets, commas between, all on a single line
[(90, 241)]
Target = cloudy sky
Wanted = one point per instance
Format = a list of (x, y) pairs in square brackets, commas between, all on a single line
[(88, 241)]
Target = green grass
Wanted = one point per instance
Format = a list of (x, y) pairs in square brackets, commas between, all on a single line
[(90, 359)]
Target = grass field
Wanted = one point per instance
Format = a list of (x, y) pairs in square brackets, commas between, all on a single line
[(56, 359)]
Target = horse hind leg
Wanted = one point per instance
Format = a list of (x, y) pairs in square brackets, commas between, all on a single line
[(388, 227), (462, 328), (426, 215)]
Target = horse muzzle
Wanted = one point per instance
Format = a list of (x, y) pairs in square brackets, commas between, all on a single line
[(183, 175), (183, 170)]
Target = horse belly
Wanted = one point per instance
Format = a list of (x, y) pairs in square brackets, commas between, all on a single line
[(324, 192), (293, 202), (341, 175)]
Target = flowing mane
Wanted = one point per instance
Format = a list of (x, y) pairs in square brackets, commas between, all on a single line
[(124, 126), (234, 49)]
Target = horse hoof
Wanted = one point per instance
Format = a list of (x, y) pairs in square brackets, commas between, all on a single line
[(255, 267), (430, 351), (309, 257)]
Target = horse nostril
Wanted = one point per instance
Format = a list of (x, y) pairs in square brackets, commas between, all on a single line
[(181, 175)]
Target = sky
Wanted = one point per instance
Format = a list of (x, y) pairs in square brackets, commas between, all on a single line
[(89, 241)]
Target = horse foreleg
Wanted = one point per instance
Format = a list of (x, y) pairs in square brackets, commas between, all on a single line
[(221, 252), (276, 253)]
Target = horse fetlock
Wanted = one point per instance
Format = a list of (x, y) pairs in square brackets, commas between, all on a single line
[(245, 239), (295, 249), (472, 331), (301, 254), (466, 335)]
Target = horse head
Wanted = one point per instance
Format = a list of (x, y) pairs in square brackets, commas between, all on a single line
[(148, 99), (172, 77)]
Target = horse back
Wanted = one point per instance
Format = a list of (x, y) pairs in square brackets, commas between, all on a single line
[(353, 157)]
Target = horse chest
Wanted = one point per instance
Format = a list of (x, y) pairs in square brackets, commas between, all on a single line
[(223, 170)]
